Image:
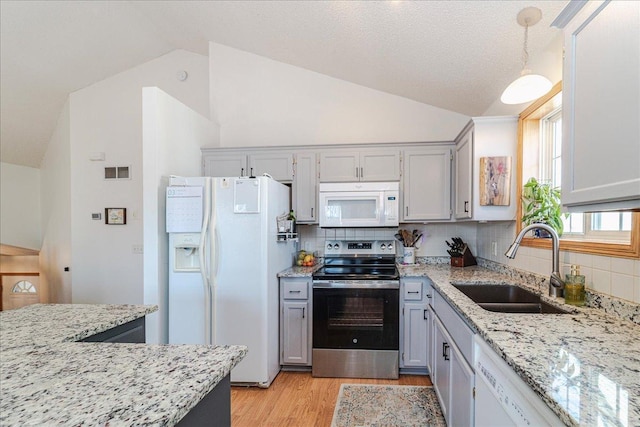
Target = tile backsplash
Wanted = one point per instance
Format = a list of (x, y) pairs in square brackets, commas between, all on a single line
[(432, 243), (617, 277)]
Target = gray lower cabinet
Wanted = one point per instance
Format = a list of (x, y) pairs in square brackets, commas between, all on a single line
[(295, 321), (131, 332), (414, 324), (453, 376)]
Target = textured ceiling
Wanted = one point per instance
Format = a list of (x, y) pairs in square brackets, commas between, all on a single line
[(456, 55)]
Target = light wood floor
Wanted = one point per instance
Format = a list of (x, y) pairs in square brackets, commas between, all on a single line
[(296, 399)]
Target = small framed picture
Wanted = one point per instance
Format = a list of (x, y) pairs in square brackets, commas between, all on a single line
[(115, 216)]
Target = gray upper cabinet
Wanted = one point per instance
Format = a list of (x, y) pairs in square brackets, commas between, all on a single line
[(464, 176), (223, 164), (277, 164), (601, 106), (426, 183), (365, 165), (380, 165), (495, 139), (305, 187), (217, 162)]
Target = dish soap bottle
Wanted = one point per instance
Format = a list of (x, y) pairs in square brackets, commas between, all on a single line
[(574, 291)]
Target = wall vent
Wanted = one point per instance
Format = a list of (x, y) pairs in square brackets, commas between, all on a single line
[(117, 172)]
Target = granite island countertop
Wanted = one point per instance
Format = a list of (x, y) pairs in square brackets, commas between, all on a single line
[(584, 365), (47, 378)]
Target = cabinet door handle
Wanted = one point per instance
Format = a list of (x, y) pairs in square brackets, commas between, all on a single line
[(357, 173), (425, 315), (361, 172), (406, 210), (241, 171), (445, 352), (311, 212), (251, 172), (413, 292), (428, 295), (294, 292), (303, 312), (466, 206)]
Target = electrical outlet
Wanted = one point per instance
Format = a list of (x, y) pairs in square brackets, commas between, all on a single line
[(494, 248), (137, 249)]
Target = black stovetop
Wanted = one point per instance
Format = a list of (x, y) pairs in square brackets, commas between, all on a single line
[(358, 268)]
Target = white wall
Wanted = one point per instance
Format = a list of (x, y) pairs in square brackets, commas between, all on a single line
[(107, 117), (165, 121), (55, 253), (260, 102), (20, 206)]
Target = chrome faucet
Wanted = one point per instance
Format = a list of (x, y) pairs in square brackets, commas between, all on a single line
[(556, 284)]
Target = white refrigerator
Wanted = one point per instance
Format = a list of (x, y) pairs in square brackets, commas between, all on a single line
[(223, 264)]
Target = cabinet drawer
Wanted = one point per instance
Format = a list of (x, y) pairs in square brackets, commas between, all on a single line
[(297, 289), (456, 327), (413, 290)]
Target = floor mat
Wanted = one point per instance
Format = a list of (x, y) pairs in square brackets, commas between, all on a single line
[(362, 405)]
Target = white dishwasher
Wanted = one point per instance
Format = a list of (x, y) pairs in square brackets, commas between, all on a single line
[(503, 398)]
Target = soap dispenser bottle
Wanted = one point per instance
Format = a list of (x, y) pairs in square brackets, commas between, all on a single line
[(574, 290)]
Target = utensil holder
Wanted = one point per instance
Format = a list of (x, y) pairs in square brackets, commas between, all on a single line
[(409, 255)]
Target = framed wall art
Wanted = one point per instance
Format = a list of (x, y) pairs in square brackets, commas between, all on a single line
[(495, 181), (115, 216)]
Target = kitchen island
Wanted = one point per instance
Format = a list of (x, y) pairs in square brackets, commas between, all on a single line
[(47, 377), (584, 365)]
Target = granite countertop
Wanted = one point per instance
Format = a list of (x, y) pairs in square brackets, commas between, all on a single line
[(584, 365), (46, 378), (296, 271), (56, 323)]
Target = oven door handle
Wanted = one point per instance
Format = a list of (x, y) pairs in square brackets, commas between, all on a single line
[(356, 284)]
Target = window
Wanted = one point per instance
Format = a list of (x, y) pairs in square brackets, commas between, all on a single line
[(540, 154)]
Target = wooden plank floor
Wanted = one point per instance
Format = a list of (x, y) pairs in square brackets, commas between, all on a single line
[(296, 399)]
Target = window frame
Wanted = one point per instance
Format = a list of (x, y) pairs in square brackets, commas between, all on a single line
[(620, 250)]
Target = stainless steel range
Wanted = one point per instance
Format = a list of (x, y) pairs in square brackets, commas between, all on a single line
[(356, 311)]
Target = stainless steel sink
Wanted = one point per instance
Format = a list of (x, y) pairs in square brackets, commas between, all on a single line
[(507, 299)]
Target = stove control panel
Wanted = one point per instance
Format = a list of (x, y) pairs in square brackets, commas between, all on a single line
[(360, 247)]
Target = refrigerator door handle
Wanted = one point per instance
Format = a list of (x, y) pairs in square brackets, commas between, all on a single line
[(213, 265), (204, 270)]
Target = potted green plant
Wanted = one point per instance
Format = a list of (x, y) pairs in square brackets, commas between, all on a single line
[(541, 204)]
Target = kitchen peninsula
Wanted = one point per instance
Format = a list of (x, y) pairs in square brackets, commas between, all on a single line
[(47, 377)]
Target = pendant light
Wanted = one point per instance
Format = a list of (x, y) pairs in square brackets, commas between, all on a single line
[(528, 86)]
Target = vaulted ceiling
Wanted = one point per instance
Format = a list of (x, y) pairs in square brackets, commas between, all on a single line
[(456, 55)]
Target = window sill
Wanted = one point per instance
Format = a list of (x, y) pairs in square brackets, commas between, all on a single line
[(620, 250)]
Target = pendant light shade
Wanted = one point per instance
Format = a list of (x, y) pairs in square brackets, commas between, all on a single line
[(528, 86)]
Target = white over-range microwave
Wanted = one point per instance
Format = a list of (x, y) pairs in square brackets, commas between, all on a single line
[(359, 204)]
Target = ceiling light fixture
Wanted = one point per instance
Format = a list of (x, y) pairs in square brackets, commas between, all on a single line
[(528, 86)]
